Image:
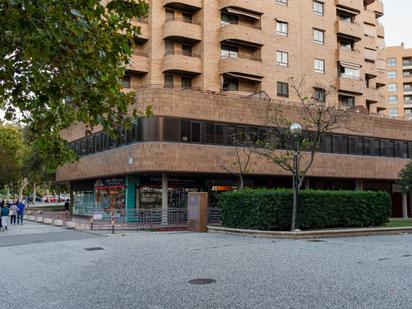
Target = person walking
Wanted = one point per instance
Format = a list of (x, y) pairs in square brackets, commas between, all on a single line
[(20, 212), (13, 213), (4, 218)]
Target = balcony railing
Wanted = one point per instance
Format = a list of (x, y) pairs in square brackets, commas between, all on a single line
[(251, 57), (182, 53), (227, 23), (185, 20)]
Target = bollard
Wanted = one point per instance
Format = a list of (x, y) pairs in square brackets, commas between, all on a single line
[(112, 224), (91, 223)]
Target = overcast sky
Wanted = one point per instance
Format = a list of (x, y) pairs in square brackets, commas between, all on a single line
[(398, 22)]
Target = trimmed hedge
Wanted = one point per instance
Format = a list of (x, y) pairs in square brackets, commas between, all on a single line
[(265, 209)]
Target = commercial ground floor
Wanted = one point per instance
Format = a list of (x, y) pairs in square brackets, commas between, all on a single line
[(125, 193)]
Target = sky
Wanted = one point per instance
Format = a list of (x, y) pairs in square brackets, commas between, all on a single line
[(398, 22)]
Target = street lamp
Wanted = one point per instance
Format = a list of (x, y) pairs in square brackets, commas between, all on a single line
[(296, 131)]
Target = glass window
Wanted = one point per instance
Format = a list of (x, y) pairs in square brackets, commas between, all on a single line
[(282, 2), (227, 51), (126, 81), (319, 66), (319, 94), (186, 82), (282, 28), (230, 84), (392, 87), (195, 132), (350, 73), (169, 81), (318, 8), (219, 135), (185, 130), (391, 62), (319, 36), (283, 89), (347, 101), (391, 74), (209, 133), (187, 50), (393, 99), (282, 58), (227, 19), (393, 112)]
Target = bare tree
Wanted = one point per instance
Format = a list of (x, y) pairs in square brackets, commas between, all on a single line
[(243, 149), (317, 117)]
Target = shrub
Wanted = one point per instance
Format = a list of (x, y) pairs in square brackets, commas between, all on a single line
[(272, 209)]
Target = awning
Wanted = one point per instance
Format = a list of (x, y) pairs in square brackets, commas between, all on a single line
[(341, 9), (247, 77), (350, 65), (244, 13)]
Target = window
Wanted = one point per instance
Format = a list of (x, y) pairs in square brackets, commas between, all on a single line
[(345, 44), (282, 2), (347, 101), (407, 87), (319, 66), (195, 132), (169, 47), (186, 82), (227, 19), (408, 99), (319, 36), (170, 14), (393, 99), (391, 74), (282, 28), (393, 112), (187, 17), (349, 72), (169, 82), (126, 81), (392, 87), (230, 84), (187, 50), (319, 94), (391, 62), (282, 58), (283, 89), (318, 8), (229, 52), (347, 18)]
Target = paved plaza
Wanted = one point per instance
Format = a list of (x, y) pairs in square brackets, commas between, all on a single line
[(49, 267)]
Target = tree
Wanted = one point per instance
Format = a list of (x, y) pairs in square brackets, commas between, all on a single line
[(243, 143), (62, 62), (405, 180), (317, 118), (13, 153)]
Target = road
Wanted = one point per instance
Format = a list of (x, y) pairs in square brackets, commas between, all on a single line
[(50, 267)]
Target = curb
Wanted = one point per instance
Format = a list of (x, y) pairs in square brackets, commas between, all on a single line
[(356, 232)]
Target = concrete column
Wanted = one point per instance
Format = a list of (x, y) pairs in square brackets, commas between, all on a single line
[(165, 202), (307, 183), (405, 205), (359, 185)]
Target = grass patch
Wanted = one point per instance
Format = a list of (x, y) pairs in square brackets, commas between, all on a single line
[(398, 223)]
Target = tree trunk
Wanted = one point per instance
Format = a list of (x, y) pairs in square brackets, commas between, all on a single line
[(48, 195), (34, 194), (242, 182)]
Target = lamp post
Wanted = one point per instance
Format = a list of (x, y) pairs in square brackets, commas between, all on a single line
[(295, 130)]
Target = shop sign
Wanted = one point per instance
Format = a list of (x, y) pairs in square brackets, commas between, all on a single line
[(110, 183)]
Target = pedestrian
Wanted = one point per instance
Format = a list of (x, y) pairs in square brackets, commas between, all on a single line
[(20, 212), (4, 217), (13, 213), (67, 207)]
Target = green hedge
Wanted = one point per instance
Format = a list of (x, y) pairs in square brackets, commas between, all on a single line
[(271, 209)]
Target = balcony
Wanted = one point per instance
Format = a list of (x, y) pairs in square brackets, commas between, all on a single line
[(144, 30), (241, 34), (381, 79), (369, 42), (370, 69), (353, 5), (349, 30), (371, 94), (183, 5), (378, 7), (407, 64), (351, 56), (350, 85), (180, 29), (407, 90), (250, 66), (139, 63), (380, 31), (252, 6), (177, 62), (370, 54)]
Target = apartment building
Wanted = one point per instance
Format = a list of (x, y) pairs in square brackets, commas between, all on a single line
[(210, 68), (399, 84)]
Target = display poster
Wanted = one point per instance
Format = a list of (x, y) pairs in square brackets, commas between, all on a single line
[(110, 195)]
